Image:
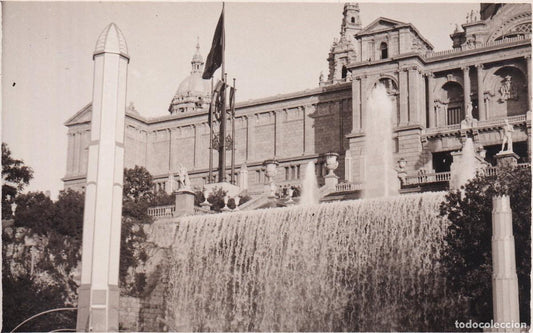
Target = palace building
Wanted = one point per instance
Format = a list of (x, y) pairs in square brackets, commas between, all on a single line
[(440, 99)]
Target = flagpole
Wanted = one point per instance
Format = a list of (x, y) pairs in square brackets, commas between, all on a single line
[(232, 101), (210, 176), (222, 132)]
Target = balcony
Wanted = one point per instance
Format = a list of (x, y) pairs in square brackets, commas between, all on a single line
[(480, 124)]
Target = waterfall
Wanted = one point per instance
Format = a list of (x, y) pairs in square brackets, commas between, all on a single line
[(380, 177), (345, 266), (310, 194)]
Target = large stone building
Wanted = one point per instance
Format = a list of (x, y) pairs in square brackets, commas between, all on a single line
[(486, 73)]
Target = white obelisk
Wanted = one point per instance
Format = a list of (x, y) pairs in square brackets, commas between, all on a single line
[(504, 280), (99, 294)]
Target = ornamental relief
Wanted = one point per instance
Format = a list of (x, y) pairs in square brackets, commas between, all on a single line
[(508, 90)]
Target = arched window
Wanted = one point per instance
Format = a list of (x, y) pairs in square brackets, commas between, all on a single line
[(344, 72), (353, 20), (384, 50)]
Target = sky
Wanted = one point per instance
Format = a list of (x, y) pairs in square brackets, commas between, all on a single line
[(271, 48)]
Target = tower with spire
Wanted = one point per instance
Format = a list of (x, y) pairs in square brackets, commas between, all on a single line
[(194, 93), (342, 49)]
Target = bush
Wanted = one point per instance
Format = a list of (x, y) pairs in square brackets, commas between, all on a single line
[(468, 260)]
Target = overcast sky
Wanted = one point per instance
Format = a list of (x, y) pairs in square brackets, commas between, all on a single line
[(271, 48)]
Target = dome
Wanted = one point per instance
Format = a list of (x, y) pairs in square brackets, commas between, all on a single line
[(193, 85), (194, 93)]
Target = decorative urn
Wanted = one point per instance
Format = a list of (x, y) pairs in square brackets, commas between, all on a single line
[(331, 162), (271, 169)]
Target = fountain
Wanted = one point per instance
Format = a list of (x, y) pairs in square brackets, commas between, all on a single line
[(310, 195), (465, 165), (367, 265), (380, 177)]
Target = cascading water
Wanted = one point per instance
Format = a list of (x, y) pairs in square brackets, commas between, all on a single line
[(467, 165), (309, 186), (380, 177), (367, 265)]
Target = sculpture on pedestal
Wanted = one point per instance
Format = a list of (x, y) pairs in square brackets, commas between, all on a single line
[(507, 136), (184, 183)]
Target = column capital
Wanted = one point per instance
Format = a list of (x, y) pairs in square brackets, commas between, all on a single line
[(429, 74), (527, 56), (479, 66), (465, 68)]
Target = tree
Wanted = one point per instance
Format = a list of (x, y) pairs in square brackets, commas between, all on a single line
[(468, 260), (46, 240), (15, 177), (137, 197), (138, 184)]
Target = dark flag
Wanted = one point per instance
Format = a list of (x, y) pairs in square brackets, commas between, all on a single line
[(232, 100), (215, 100), (214, 59)]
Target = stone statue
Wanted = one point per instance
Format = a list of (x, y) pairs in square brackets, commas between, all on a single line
[(184, 183), (321, 78), (349, 76), (507, 90), (469, 121), (507, 137)]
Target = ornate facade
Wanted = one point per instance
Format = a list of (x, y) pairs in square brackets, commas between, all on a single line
[(485, 74)]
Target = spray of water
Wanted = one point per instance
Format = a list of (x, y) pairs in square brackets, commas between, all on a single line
[(310, 194), (467, 164), (380, 177), (365, 265)]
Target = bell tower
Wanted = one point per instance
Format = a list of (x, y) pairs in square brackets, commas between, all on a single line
[(342, 50), (351, 22)]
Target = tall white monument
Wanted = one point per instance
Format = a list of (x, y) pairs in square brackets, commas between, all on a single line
[(99, 294)]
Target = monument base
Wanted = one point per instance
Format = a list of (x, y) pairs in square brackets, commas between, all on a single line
[(184, 203), (105, 309), (331, 181), (506, 159)]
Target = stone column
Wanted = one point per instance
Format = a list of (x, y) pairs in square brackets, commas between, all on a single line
[(348, 166), (480, 88), (70, 154), (467, 89), (414, 107), (277, 132), (528, 60), (77, 148), (504, 279), (356, 105), (309, 134), (98, 304), (197, 152), (404, 91), (243, 177), (431, 99), (250, 140), (364, 96)]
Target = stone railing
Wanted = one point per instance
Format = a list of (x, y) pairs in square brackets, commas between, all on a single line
[(482, 123), (161, 211), (433, 177), (432, 54), (437, 177), (346, 187)]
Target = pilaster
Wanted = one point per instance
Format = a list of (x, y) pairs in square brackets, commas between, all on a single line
[(431, 99), (467, 86), (309, 134), (480, 89), (528, 60), (414, 96), (404, 92), (356, 105)]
